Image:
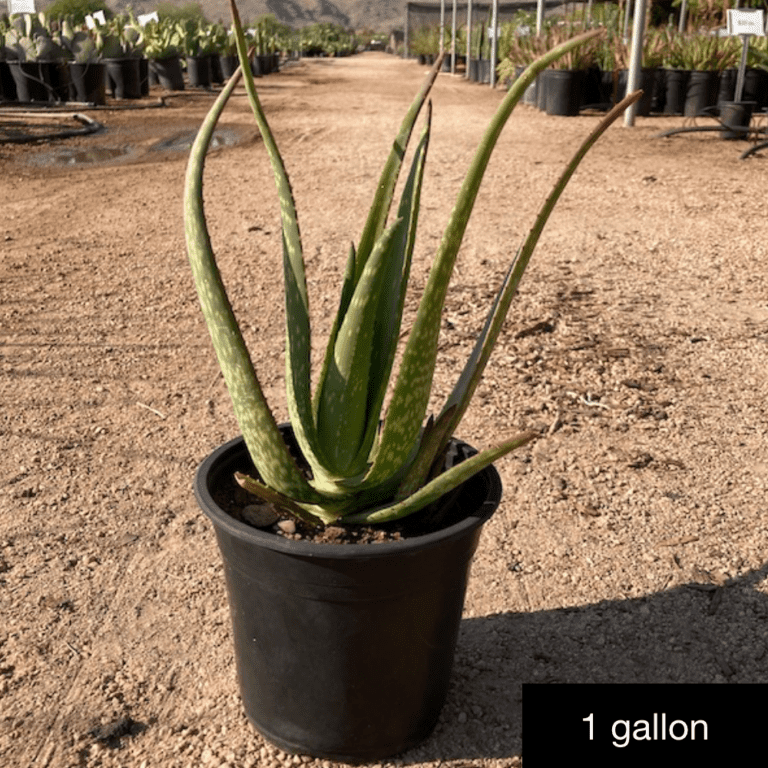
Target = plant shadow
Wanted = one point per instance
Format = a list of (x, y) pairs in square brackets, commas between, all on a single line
[(693, 633)]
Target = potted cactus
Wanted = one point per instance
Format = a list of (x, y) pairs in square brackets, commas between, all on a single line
[(344, 650), (120, 43), (86, 71), (36, 60), (197, 46), (162, 44)]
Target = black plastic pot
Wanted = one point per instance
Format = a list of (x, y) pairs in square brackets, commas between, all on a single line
[(564, 92), (735, 117), (228, 63), (46, 81), (675, 81), (7, 84), (647, 84), (756, 87), (168, 73), (144, 76), (542, 86), (199, 71), (529, 96), (700, 92), (263, 64), (344, 651), (590, 88), (87, 83), (123, 78), (27, 81), (214, 64), (726, 89)]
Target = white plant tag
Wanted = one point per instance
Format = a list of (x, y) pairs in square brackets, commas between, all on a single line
[(97, 16), (21, 6), (145, 18), (750, 22)]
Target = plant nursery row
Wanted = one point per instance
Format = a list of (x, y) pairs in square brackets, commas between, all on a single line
[(683, 73), (44, 59)]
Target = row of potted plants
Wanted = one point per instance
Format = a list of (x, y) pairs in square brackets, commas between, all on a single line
[(326, 39), (683, 73), (686, 74), (54, 59)]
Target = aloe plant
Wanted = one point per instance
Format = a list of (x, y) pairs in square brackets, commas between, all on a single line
[(366, 466)]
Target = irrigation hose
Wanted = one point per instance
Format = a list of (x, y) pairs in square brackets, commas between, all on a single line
[(89, 126)]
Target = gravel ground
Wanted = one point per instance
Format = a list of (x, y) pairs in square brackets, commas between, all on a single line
[(631, 542)]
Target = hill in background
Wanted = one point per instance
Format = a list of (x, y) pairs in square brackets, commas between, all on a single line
[(379, 15)]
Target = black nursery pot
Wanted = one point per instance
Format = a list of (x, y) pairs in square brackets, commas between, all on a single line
[(168, 73), (344, 651), (88, 82), (199, 71), (564, 92), (123, 78), (735, 117)]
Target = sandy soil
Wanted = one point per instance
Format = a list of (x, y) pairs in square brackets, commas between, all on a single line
[(631, 543)]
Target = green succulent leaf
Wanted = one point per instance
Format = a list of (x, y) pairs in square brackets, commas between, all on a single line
[(436, 434), (442, 484), (462, 393), (377, 217), (382, 202), (355, 380), (298, 339), (258, 426), (412, 390), (343, 410), (265, 493)]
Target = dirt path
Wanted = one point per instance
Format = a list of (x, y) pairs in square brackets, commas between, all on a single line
[(631, 544)]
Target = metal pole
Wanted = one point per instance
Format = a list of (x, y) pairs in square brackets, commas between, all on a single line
[(453, 40), (742, 69), (625, 34), (406, 36), (635, 59), (442, 25), (494, 40), (539, 16), (683, 13), (469, 37)]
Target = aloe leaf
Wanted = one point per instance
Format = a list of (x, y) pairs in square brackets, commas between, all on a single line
[(268, 494), (253, 415), (442, 484), (347, 289), (414, 383), (436, 434), (298, 342), (342, 412), (389, 316), (486, 341), (377, 215)]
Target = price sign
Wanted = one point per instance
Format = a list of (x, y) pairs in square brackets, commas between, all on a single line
[(21, 6), (750, 22)]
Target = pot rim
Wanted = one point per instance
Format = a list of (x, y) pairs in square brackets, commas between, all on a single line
[(228, 453)]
